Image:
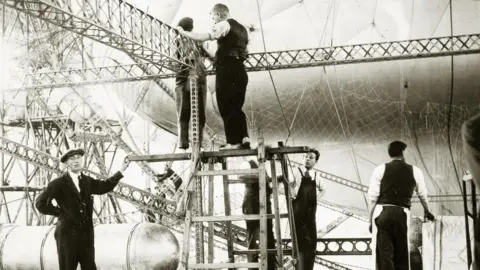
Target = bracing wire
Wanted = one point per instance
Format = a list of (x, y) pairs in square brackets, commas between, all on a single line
[(270, 73), (450, 106)]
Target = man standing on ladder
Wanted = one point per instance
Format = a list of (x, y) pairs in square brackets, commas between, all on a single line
[(251, 206), (390, 192), (183, 93), (231, 77), (305, 188)]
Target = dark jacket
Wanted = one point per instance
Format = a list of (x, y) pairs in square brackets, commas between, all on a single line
[(74, 208)]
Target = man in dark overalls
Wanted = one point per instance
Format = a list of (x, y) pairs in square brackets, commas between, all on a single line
[(183, 93), (305, 188), (72, 192), (251, 206)]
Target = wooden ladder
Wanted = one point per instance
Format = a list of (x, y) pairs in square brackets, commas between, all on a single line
[(194, 215)]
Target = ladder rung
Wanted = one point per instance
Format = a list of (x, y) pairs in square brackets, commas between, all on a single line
[(222, 265), (285, 251), (227, 172), (234, 218)]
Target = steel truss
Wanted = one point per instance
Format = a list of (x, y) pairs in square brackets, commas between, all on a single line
[(117, 24), (63, 125), (341, 246), (361, 53), (138, 197), (49, 133)]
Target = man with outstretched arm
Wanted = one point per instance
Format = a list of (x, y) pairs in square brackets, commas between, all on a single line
[(73, 192), (231, 77)]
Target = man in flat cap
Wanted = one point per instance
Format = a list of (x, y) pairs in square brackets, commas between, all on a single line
[(72, 192), (391, 190)]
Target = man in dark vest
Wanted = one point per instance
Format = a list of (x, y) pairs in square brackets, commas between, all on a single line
[(182, 93), (390, 192), (72, 192), (305, 188), (471, 146), (251, 206), (231, 78)]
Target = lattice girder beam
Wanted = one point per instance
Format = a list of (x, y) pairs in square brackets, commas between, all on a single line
[(340, 246), (348, 54), (117, 24)]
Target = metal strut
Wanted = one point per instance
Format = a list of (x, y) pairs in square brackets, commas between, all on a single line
[(301, 58)]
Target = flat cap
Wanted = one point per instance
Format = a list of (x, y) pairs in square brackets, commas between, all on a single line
[(70, 153)]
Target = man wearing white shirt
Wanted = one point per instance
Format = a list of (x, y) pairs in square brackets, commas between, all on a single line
[(231, 77), (305, 188), (73, 192), (390, 192)]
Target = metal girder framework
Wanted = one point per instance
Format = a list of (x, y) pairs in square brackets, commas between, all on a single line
[(138, 197), (341, 246), (363, 188), (373, 52), (117, 24)]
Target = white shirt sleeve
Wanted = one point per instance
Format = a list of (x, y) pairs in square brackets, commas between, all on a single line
[(375, 181), (219, 30), (421, 188), (319, 182), (296, 180)]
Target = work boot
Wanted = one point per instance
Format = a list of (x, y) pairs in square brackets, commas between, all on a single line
[(246, 143)]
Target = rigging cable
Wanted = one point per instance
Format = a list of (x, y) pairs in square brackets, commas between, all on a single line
[(450, 106), (270, 74)]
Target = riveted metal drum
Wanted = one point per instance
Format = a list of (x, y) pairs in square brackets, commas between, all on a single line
[(136, 246)]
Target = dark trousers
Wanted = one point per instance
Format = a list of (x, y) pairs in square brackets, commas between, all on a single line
[(183, 98), (253, 241), (392, 250), (306, 232), (231, 87), (75, 246), (251, 206)]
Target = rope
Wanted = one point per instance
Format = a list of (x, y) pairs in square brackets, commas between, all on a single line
[(270, 73)]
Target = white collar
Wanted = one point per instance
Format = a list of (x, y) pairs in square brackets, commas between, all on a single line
[(313, 174), (74, 176)]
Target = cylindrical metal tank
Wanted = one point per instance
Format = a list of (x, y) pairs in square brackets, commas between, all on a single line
[(117, 246)]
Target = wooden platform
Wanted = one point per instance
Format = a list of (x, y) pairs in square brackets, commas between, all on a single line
[(269, 152)]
